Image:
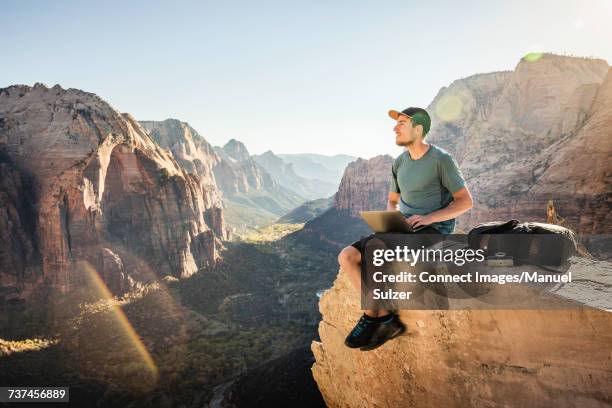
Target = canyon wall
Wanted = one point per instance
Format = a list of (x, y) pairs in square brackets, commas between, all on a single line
[(541, 132), (84, 188)]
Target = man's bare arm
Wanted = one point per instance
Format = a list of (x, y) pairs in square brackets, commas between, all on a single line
[(462, 202), (392, 201)]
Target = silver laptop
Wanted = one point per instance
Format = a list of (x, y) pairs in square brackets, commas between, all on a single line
[(387, 221)]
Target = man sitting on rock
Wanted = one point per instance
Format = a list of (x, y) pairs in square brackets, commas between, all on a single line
[(431, 193)]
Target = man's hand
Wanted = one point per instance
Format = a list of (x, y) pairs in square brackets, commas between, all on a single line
[(416, 221)]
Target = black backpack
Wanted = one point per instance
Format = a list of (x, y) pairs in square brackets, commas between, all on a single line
[(534, 243)]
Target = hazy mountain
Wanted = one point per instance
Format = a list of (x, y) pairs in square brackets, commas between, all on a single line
[(252, 196), (284, 174), (234, 151), (318, 166)]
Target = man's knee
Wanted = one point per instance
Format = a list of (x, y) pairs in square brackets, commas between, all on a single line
[(349, 255)]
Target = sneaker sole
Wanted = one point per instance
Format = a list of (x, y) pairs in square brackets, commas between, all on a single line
[(350, 345), (397, 333)]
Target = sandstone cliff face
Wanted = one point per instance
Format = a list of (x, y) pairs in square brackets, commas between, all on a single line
[(18, 241), (580, 162), (238, 172), (365, 185), (196, 156), (103, 192), (539, 133), (462, 358)]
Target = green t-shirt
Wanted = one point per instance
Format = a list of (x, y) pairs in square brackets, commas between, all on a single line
[(427, 184)]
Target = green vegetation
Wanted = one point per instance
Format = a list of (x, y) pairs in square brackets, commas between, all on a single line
[(257, 305), (270, 233), (307, 211), (244, 218)]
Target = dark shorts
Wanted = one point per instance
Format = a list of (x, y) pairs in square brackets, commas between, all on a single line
[(358, 245)]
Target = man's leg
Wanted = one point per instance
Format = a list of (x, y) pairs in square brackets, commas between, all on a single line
[(350, 263), (376, 326)]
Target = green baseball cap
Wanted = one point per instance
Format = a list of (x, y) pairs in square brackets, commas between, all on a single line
[(419, 116)]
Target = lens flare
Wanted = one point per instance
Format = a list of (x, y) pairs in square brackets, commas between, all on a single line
[(449, 108), (533, 56), (122, 323)]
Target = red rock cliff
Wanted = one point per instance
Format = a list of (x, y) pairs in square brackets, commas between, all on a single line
[(103, 192), (196, 156), (541, 132), (365, 185)]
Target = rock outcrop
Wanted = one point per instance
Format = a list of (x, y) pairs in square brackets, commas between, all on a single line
[(18, 240), (471, 358), (541, 132), (365, 185), (84, 184)]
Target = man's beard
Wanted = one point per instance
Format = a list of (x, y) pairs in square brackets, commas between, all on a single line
[(405, 143)]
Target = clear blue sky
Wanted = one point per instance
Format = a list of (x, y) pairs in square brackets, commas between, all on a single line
[(293, 77)]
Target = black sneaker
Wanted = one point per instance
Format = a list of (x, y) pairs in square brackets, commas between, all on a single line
[(385, 330), (361, 333)]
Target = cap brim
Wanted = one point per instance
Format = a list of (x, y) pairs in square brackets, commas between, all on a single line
[(393, 114)]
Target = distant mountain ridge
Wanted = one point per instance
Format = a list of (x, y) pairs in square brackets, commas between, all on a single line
[(254, 197), (256, 189), (250, 195), (318, 166), (287, 177)]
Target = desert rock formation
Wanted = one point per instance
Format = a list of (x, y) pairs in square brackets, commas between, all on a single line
[(541, 132), (85, 185), (365, 185), (470, 358), (196, 156)]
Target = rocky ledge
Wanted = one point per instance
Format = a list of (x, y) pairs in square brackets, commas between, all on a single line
[(474, 358)]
